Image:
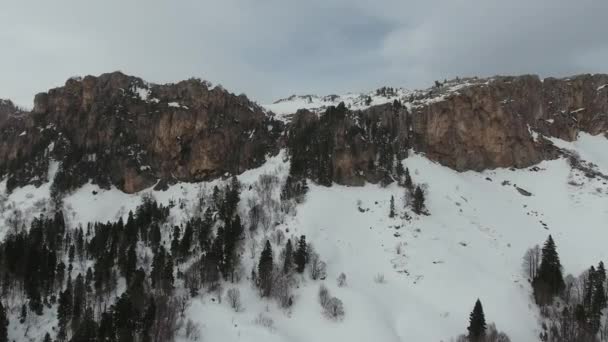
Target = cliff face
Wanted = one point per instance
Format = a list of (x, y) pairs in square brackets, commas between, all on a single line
[(493, 124), (472, 124), (116, 129)]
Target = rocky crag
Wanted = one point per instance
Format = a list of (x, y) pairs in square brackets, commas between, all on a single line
[(119, 130)]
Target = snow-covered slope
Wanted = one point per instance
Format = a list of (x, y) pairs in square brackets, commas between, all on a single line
[(285, 108), (435, 267)]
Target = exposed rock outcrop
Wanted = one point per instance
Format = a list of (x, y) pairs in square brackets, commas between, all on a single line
[(117, 129), (471, 124)]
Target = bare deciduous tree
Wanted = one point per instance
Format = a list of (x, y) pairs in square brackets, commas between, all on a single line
[(167, 321), (264, 321), (531, 262), (342, 280), (323, 295), (281, 289), (234, 298), (334, 309), (318, 268), (379, 278), (193, 331)]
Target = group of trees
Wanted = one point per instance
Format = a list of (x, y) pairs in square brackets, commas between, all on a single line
[(414, 195), (77, 271), (275, 277), (572, 307)]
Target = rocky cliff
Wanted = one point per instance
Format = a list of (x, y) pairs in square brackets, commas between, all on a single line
[(119, 130), (466, 124)]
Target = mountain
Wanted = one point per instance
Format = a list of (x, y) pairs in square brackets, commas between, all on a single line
[(107, 171)]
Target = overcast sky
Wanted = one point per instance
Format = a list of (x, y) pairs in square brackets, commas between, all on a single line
[(270, 49)]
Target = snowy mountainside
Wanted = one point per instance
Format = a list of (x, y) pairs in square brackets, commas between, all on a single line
[(286, 107), (404, 274)]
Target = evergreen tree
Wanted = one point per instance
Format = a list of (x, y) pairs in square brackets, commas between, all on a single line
[(148, 320), (168, 278), (477, 323), (64, 311), (408, 179), (598, 303), (418, 204), (47, 338), (549, 282), (288, 262), (131, 263), (3, 324), (204, 232), (400, 172), (391, 214), (23, 315), (265, 268), (125, 317), (158, 266), (186, 242), (79, 302), (175, 242), (301, 255), (155, 235), (87, 330)]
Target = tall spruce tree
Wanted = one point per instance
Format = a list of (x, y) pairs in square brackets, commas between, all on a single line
[(3, 324), (79, 301), (186, 243), (477, 323), (288, 261), (301, 255), (408, 179), (549, 282), (265, 268), (418, 204), (391, 213)]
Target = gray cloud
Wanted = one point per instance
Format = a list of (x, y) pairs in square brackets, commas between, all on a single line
[(272, 48)]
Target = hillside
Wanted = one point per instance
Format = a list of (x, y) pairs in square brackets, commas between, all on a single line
[(498, 178)]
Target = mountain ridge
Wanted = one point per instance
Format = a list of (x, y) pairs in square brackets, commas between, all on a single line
[(119, 130)]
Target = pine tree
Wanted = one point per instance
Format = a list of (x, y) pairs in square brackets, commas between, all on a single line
[(204, 231), (391, 214), (23, 315), (168, 278), (3, 324), (301, 255), (87, 330), (148, 320), (549, 282), (47, 338), (64, 311), (598, 303), (400, 172), (265, 268), (408, 179), (175, 241), (125, 318), (131, 263), (477, 323), (288, 262), (158, 266), (155, 235), (418, 204), (79, 302), (186, 242)]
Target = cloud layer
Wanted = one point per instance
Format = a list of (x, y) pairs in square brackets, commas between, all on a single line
[(272, 48)]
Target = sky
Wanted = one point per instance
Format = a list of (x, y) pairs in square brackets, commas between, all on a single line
[(270, 49)]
